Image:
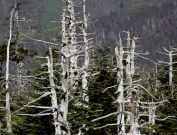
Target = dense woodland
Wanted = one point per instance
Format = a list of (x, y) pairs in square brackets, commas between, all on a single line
[(79, 87)]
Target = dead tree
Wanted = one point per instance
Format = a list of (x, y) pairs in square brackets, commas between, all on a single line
[(119, 52), (71, 41), (8, 111), (133, 118), (150, 109), (170, 53), (87, 59), (128, 90), (67, 44), (58, 111), (54, 101), (71, 49)]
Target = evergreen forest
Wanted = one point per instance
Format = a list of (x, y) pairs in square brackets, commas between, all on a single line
[(64, 81)]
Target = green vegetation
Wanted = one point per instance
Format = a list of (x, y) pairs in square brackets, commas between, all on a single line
[(101, 102)]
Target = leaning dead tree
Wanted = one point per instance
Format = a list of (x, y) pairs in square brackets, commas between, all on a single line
[(54, 100), (55, 109)]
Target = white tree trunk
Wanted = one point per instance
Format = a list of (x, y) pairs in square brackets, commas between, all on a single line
[(8, 111), (120, 99), (130, 71), (170, 54), (54, 101), (87, 59), (65, 86), (72, 43), (65, 64), (151, 111), (170, 69), (128, 40), (132, 57), (69, 61)]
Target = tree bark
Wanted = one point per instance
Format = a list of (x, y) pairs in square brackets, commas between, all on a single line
[(120, 99), (8, 111), (87, 59), (53, 94)]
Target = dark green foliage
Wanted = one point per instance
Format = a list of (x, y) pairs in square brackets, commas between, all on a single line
[(167, 126), (166, 112), (28, 125), (100, 102)]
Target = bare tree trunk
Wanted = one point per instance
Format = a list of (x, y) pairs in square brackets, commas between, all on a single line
[(87, 59), (128, 40), (120, 99), (53, 94), (65, 62), (170, 54), (8, 111), (152, 109), (130, 71), (132, 57), (65, 86), (171, 71), (72, 43)]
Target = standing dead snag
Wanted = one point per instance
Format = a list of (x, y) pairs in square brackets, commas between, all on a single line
[(68, 60), (132, 56), (71, 41), (170, 53), (133, 118), (119, 52), (65, 65), (8, 111), (70, 53), (54, 101), (127, 92), (57, 111), (87, 59), (65, 85), (128, 60), (151, 108)]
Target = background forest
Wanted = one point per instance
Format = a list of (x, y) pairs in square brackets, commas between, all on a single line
[(88, 67)]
